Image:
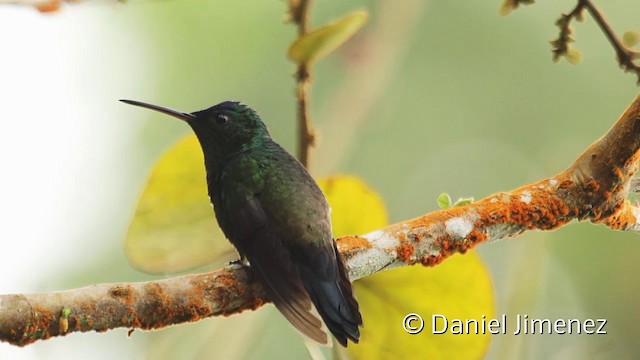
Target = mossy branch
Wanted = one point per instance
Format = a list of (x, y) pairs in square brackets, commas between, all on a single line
[(595, 188)]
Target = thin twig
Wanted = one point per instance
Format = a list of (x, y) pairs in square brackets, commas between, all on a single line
[(625, 56), (561, 46), (299, 11), (306, 134)]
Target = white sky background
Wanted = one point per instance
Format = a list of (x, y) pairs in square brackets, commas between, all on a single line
[(63, 136)]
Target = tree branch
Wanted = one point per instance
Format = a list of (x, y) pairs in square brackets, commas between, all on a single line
[(594, 187), (147, 305)]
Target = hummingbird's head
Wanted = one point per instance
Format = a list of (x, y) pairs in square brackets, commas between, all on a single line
[(222, 129), (229, 124)]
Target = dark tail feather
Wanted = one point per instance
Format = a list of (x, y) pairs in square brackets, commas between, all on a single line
[(334, 300), (294, 305)]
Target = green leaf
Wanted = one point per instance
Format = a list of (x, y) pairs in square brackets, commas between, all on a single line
[(65, 313), (322, 41), (355, 207), (174, 228), (444, 201)]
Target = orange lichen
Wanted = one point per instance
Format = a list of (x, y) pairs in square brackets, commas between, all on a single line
[(566, 184), (544, 210), (591, 186), (405, 251), (622, 219), (432, 260), (157, 307), (41, 325), (196, 305), (617, 172), (130, 317), (476, 236), (223, 288), (234, 290), (349, 243), (535, 206)]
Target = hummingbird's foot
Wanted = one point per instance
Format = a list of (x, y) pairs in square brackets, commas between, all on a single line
[(241, 262), (236, 262), (244, 263)]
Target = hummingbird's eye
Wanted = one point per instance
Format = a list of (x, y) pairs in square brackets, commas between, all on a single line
[(221, 119)]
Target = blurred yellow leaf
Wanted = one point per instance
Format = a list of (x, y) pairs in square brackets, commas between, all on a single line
[(459, 288), (174, 228), (355, 208), (322, 41)]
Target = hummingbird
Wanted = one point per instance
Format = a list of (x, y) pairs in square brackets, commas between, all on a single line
[(277, 218)]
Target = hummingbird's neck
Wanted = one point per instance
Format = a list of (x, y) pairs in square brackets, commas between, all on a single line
[(216, 158)]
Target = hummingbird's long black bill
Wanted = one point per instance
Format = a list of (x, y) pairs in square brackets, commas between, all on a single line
[(177, 114)]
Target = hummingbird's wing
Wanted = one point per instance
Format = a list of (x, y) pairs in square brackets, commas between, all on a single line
[(251, 232)]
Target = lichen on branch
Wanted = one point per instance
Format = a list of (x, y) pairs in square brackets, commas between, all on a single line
[(146, 305)]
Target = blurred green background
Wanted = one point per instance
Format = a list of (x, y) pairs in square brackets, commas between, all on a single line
[(429, 97)]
